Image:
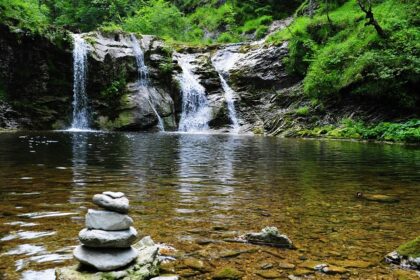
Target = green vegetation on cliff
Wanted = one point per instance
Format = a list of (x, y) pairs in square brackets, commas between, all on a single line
[(385, 131), (336, 52), (356, 52)]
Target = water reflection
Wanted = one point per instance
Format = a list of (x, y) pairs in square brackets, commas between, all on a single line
[(182, 186)]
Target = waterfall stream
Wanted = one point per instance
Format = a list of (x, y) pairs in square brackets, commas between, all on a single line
[(196, 112), (80, 99), (223, 61), (143, 80)]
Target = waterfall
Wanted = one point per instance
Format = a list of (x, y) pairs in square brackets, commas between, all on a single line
[(196, 111), (223, 61), (143, 80), (80, 99)]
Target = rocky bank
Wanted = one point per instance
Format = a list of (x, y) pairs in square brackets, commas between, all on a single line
[(36, 85)]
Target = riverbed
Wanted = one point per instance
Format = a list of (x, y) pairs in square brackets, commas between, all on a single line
[(194, 191)]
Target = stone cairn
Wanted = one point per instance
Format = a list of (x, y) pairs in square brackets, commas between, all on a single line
[(108, 235)]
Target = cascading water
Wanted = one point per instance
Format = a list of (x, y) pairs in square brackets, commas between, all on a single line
[(80, 99), (143, 80), (196, 112), (223, 61)]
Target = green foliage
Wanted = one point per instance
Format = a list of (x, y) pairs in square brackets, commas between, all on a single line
[(24, 14), (115, 89), (166, 67), (86, 15), (161, 18), (385, 131), (340, 54), (302, 111), (111, 27), (213, 19), (254, 24)]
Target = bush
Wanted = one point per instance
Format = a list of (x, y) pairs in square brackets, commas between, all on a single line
[(24, 14), (162, 19)]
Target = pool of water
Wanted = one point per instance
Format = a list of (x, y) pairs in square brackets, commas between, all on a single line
[(186, 188)]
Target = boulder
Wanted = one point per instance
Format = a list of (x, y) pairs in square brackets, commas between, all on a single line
[(120, 205), (268, 236), (107, 220), (108, 239), (407, 255), (105, 259)]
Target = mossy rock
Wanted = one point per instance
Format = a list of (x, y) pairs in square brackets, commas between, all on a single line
[(228, 273), (410, 249)]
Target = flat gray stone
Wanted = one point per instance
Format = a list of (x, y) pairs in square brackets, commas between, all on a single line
[(96, 238), (114, 194), (120, 205), (166, 277), (107, 220), (105, 259)]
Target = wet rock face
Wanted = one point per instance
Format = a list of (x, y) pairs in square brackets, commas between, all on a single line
[(118, 101), (261, 67), (36, 76)]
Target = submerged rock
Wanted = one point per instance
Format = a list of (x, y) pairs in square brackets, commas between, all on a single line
[(322, 267), (106, 259), (120, 204), (107, 220), (269, 274), (227, 273), (407, 255), (353, 264), (377, 198), (108, 239), (268, 236)]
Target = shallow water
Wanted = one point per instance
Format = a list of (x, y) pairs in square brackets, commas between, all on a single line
[(184, 189)]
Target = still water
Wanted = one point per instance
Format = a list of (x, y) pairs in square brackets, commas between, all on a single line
[(186, 188)]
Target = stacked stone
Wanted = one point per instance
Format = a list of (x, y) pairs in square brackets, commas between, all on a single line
[(108, 235)]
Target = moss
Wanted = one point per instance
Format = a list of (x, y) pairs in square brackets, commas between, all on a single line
[(258, 130), (350, 129), (410, 249), (302, 111), (124, 119)]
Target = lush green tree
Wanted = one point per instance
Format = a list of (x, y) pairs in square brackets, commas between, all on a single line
[(86, 15)]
